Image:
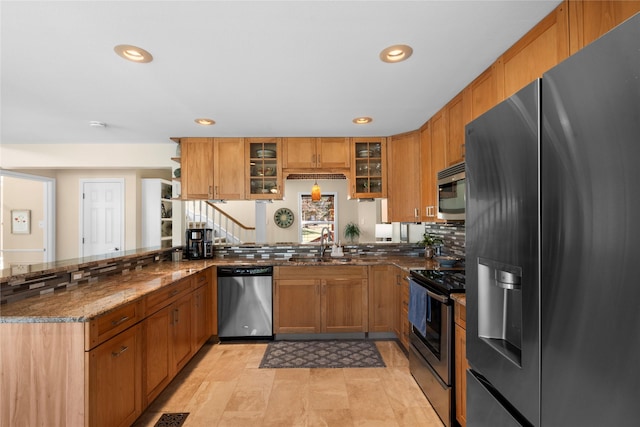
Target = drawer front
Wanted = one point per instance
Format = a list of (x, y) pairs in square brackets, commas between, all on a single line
[(165, 296), (112, 323), (200, 279)]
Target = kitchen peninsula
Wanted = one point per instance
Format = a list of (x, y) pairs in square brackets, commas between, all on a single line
[(128, 332)]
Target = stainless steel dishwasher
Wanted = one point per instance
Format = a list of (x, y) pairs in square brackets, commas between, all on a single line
[(245, 302)]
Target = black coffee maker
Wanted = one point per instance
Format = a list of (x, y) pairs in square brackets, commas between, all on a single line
[(199, 243)]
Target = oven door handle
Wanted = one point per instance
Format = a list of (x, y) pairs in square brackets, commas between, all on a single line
[(442, 298)]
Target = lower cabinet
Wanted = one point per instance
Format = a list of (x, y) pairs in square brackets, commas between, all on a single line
[(332, 300), (105, 371), (461, 364), (115, 394), (167, 339), (400, 305), (382, 300)]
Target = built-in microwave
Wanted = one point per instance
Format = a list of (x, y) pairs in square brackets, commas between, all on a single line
[(451, 193)]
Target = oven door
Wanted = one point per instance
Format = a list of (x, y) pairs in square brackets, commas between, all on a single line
[(432, 338)]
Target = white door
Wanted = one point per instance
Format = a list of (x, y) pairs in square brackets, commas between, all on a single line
[(102, 217)]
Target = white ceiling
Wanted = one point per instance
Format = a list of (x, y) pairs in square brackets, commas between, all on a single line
[(258, 68)]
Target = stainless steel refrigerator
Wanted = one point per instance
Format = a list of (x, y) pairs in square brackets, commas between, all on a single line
[(553, 225)]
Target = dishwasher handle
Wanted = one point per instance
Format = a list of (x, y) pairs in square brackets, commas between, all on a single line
[(245, 271)]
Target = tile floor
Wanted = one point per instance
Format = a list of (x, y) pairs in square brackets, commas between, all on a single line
[(223, 386)]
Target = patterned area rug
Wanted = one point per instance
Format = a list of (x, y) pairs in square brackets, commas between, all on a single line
[(322, 354), (172, 419)]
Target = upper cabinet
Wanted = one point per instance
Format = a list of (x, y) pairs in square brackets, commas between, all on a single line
[(212, 168), (433, 154), (404, 184), (368, 168), (588, 20), (196, 168), (537, 52), (314, 154), (457, 118), (263, 168), (229, 168)]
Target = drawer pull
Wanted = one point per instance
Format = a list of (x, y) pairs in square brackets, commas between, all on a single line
[(122, 350), (119, 321), (174, 292)]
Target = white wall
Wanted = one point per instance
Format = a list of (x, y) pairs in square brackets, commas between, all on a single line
[(62, 156)]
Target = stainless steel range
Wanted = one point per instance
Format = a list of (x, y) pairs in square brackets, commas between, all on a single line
[(431, 353)]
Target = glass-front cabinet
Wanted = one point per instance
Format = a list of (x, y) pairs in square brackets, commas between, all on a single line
[(368, 168), (264, 168)]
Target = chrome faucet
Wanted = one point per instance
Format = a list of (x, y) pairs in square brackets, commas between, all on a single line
[(324, 243)]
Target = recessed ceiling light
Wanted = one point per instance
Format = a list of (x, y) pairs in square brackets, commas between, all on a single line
[(133, 53), (205, 122), (97, 124), (362, 120), (396, 53)]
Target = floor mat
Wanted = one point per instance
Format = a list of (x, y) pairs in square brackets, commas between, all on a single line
[(172, 420), (322, 354)]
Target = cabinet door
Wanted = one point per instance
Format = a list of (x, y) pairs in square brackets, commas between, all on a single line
[(157, 364), (199, 308), (181, 349), (368, 168), (438, 156), (197, 168), (299, 153), (403, 321), (381, 298), (404, 186), (456, 121), (543, 47), (344, 305), (229, 161), (263, 168), (297, 306), (428, 176), (333, 153), (591, 19), (397, 301), (115, 397), (461, 366)]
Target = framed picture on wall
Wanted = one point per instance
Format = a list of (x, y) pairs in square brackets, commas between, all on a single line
[(21, 221)]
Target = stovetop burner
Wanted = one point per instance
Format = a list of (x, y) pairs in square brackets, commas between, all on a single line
[(448, 281)]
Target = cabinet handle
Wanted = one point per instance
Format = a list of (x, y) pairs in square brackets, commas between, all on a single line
[(118, 353), (175, 316), (313, 159), (319, 161), (416, 212), (210, 190), (119, 321), (215, 191)]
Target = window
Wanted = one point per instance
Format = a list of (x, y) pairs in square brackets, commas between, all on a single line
[(314, 216)]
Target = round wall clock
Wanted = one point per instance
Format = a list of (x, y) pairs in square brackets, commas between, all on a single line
[(283, 218)]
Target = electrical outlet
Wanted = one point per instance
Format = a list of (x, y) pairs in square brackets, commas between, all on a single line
[(75, 276)]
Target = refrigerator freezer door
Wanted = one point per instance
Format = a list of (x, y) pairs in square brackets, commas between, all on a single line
[(502, 275), (590, 251), (485, 409)]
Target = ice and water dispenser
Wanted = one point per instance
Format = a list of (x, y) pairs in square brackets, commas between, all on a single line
[(500, 308)]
